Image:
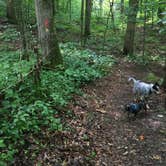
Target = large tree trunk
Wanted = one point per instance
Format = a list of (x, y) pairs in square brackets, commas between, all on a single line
[(87, 18), (11, 12), (46, 33), (130, 31)]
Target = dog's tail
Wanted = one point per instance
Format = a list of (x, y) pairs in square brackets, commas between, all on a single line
[(132, 79)]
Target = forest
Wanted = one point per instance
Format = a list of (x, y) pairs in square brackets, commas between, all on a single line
[(82, 82)]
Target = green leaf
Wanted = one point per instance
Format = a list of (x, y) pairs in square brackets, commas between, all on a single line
[(2, 144)]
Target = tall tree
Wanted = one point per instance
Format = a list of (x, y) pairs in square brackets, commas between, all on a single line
[(112, 14), (164, 82), (46, 32), (11, 12), (22, 17), (82, 21), (131, 24), (87, 18), (122, 6), (101, 8), (57, 5), (144, 28)]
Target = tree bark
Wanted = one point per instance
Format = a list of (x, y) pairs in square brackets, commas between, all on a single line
[(112, 15), (22, 24), (131, 24), (144, 28), (87, 18), (122, 6), (11, 12), (82, 21), (101, 8), (164, 82), (46, 33)]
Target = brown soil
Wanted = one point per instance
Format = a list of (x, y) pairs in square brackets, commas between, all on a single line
[(101, 134)]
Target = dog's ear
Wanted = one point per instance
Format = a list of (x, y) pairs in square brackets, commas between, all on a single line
[(157, 84)]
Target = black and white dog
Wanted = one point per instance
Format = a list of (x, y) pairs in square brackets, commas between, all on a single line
[(143, 89)]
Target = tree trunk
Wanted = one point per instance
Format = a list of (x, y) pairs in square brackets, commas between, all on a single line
[(46, 33), (70, 10), (152, 10), (87, 18), (144, 28), (122, 6), (164, 82), (130, 31), (82, 21), (101, 8), (11, 12), (107, 25), (57, 5), (22, 24), (112, 15)]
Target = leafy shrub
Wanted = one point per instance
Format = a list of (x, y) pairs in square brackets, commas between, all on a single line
[(13, 68), (151, 77), (2, 8), (27, 109), (144, 60), (10, 34)]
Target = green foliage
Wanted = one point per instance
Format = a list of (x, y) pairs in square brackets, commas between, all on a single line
[(80, 68), (18, 119), (26, 109), (13, 67), (151, 77), (146, 59), (10, 34), (2, 8), (162, 21), (139, 59)]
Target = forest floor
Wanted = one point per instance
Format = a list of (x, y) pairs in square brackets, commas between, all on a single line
[(101, 133)]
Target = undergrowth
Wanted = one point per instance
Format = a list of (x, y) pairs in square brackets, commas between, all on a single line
[(26, 108), (146, 59)]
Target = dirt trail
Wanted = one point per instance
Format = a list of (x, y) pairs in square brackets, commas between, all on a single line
[(115, 139), (101, 133)]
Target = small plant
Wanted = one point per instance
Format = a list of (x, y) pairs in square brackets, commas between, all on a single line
[(139, 59), (24, 112), (152, 78), (10, 34)]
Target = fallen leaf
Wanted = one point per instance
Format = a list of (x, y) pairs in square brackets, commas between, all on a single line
[(125, 153), (156, 157), (141, 137), (101, 110), (160, 116), (64, 163), (110, 144)]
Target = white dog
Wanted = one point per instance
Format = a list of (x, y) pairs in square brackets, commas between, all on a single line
[(143, 89)]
